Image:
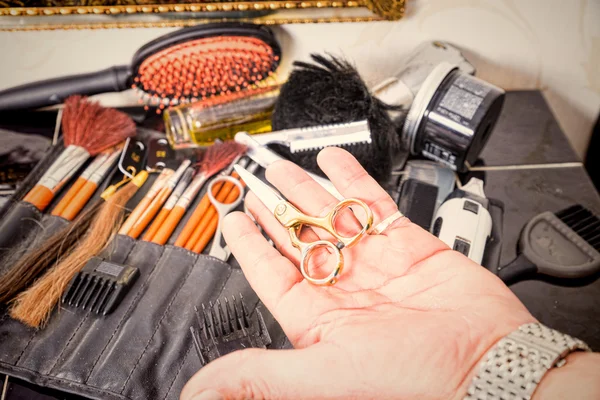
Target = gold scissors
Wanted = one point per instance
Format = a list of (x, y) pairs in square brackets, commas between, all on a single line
[(293, 219)]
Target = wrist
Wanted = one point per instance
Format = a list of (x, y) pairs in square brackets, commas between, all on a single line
[(579, 378)]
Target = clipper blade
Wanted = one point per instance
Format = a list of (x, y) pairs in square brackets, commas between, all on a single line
[(340, 140), (226, 327), (318, 137)]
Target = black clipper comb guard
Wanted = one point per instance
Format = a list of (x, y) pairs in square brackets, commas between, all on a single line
[(225, 328), (99, 286)]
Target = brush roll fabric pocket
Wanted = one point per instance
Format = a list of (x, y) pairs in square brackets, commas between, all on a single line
[(32, 230), (16, 225), (143, 350)]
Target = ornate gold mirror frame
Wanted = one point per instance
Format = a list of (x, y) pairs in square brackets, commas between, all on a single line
[(90, 14)]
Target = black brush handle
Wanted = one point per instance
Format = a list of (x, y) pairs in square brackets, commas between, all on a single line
[(55, 91), (517, 270)]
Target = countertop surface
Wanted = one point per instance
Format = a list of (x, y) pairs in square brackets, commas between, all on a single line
[(528, 135)]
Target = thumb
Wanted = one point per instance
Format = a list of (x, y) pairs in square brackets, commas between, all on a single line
[(260, 374)]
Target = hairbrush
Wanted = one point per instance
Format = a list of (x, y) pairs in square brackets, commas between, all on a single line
[(227, 327), (186, 65)]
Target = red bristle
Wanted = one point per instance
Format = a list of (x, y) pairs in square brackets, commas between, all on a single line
[(219, 156), (93, 127), (211, 65)]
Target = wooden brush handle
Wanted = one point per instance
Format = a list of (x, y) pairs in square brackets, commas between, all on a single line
[(195, 218), (207, 233), (169, 225), (139, 210), (40, 196), (135, 215), (222, 193), (226, 195), (66, 199), (156, 225), (148, 214), (80, 200), (199, 228), (204, 218)]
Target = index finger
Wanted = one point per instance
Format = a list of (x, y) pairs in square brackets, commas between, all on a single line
[(270, 274)]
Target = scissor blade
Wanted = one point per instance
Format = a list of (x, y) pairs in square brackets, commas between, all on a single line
[(267, 195)]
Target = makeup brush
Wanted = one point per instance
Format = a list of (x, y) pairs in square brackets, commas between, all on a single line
[(217, 157), (226, 193), (88, 129), (160, 218), (89, 187), (161, 197), (33, 306), (142, 206), (331, 91), (86, 184), (79, 183)]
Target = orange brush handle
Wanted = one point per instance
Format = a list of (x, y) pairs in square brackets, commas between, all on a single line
[(169, 225), (80, 200), (32, 194), (226, 195), (222, 194), (40, 196), (207, 234), (156, 225), (135, 215), (66, 199), (200, 227), (208, 212), (195, 218), (147, 216)]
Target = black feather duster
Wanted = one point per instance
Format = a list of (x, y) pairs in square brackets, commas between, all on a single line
[(331, 91)]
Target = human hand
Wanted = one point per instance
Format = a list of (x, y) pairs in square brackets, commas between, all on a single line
[(409, 318)]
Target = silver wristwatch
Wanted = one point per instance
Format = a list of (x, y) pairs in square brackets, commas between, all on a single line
[(514, 367)]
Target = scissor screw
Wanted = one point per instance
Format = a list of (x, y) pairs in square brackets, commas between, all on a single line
[(280, 209)]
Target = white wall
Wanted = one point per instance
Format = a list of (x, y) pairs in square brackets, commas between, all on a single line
[(552, 45)]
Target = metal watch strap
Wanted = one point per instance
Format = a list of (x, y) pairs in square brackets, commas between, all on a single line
[(514, 367)]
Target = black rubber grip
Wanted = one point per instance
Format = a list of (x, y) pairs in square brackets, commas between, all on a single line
[(517, 270), (55, 91)]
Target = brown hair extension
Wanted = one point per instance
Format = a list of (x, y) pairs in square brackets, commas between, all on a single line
[(33, 307), (35, 262)]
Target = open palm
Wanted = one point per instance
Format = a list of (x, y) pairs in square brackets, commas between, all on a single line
[(409, 318)]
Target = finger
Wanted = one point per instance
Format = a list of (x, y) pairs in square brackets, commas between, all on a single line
[(274, 230), (269, 273), (265, 374), (306, 194), (351, 180)]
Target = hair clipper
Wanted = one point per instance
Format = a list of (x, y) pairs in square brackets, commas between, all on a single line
[(463, 221)]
